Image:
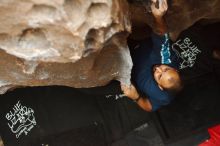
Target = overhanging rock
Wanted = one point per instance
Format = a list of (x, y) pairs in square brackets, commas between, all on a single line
[(77, 43)]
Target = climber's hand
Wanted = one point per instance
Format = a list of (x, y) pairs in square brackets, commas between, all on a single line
[(161, 10), (130, 91)]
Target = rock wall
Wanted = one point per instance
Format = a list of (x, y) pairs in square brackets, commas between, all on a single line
[(180, 15), (80, 43), (77, 43)]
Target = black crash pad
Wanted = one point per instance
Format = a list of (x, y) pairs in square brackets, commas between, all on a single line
[(52, 115)]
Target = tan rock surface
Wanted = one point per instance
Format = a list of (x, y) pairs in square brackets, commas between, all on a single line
[(77, 43)]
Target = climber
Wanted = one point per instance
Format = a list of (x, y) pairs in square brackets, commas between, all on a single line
[(155, 72), (160, 67)]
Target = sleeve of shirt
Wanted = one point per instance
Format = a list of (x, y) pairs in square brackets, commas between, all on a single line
[(157, 97)]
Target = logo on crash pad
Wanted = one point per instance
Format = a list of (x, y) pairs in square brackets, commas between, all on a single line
[(21, 119)]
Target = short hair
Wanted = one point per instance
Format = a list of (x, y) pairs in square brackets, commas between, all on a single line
[(177, 86)]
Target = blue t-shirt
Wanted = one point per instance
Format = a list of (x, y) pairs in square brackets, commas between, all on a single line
[(149, 53)]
